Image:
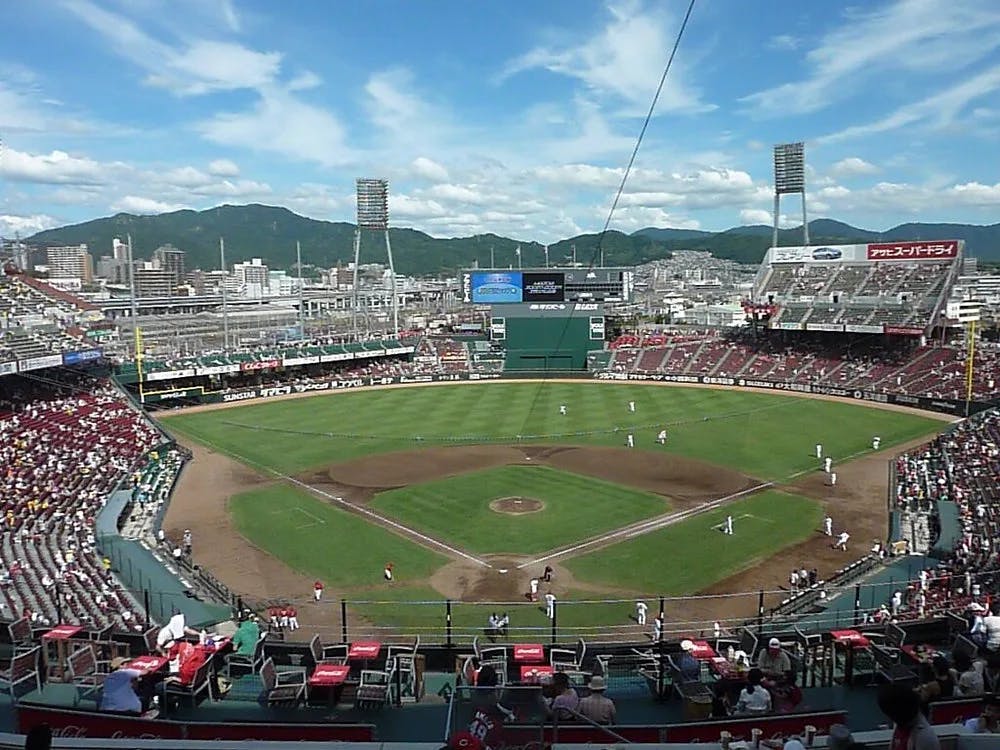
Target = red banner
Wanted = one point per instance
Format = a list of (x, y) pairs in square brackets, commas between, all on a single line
[(903, 331), (263, 364), (940, 250)]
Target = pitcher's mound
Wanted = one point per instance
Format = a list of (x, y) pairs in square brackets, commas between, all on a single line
[(516, 506)]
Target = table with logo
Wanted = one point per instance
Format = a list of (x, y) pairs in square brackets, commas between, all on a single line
[(529, 653), (850, 641), (531, 674), (331, 678), (147, 665), (61, 636)]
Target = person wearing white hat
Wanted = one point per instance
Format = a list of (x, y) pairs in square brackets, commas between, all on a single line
[(773, 661), (597, 706), (688, 664), (977, 633)]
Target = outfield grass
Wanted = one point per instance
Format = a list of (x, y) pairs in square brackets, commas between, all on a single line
[(456, 509), (317, 539), (766, 435), (689, 556)]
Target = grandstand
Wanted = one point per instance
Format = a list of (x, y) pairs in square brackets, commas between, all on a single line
[(897, 288), (87, 477)]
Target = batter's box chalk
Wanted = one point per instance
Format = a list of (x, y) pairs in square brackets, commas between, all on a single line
[(503, 570)]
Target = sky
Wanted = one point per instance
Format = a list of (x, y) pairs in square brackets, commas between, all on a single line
[(516, 118)]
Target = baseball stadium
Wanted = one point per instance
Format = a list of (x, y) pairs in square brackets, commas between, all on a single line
[(385, 539)]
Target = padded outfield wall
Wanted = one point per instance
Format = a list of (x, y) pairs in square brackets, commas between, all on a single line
[(548, 337)]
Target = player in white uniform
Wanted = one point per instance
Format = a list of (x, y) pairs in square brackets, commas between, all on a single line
[(828, 525), (828, 464), (876, 442), (631, 406), (550, 605), (630, 441), (729, 525), (640, 612), (658, 628), (842, 541), (562, 409), (661, 438), (833, 479), (819, 450), (533, 589)]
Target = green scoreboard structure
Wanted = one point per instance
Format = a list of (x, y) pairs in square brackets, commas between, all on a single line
[(547, 319)]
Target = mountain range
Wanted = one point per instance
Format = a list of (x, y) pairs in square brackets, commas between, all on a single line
[(270, 233)]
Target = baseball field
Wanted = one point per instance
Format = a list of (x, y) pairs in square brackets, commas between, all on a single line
[(470, 490)]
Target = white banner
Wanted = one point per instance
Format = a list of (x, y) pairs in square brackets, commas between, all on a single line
[(217, 369), (336, 357), (788, 326), (863, 329), (7, 368), (170, 374), (824, 327), (818, 254), (292, 361), (37, 363)]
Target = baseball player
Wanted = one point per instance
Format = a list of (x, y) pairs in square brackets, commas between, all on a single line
[(318, 590), (631, 406), (828, 464), (630, 441), (729, 525), (793, 580), (658, 627), (661, 438), (923, 580), (640, 612), (550, 605), (842, 541), (833, 479), (533, 589), (876, 442), (293, 618), (387, 572), (897, 602), (562, 409), (819, 450), (828, 525)]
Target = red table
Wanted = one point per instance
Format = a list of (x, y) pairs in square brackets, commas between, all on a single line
[(530, 674), (919, 654), (529, 653), (62, 632), (147, 664), (703, 651), (851, 638), (725, 669), (329, 674), (364, 650), (59, 635), (331, 677), (851, 641)]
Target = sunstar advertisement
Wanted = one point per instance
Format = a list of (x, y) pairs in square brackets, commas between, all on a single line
[(496, 288)]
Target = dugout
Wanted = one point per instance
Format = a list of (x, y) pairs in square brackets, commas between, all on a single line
[(547, 336)]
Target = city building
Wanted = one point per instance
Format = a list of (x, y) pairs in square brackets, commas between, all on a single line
[(70, 262), (171, 259), (252, 277), (153, 281)]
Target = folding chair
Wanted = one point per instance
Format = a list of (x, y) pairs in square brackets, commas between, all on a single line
[(201, 683), (251, 662), (23, 667), (373, 692), (282, 688)]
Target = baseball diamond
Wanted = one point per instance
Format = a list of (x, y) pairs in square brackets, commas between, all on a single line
[(332, 486)]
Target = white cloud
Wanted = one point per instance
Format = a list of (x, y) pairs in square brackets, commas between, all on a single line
[(404, 206), (305, 80), (12, 225), (852, 166), (428, 169), (134, 204), (208, 66), (754, 216), (908, 35), (223, 168), (834, 191), (937, 111), (624, 59), (784, 42), (56, 167), (976, 194), (629, 219), (283, 124), (460, 194)]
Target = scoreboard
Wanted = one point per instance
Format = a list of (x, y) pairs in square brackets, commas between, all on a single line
[(499, 287)]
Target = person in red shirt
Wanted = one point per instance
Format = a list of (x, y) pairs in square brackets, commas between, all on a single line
[(293, 618), (318, 590)]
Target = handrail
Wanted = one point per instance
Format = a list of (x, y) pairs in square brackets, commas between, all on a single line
[(586, 719)]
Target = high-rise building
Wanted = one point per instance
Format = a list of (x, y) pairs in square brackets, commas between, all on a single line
[(152, 281), (170, 258), (252, 277), (119, 249), (70, 262)]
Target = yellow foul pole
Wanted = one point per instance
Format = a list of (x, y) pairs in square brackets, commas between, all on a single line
[(138, 363), (969, 363)]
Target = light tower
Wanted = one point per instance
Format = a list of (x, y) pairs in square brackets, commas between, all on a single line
[(790, 177), (373, 215)]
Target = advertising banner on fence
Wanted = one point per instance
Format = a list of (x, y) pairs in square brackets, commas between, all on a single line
[(170, 374), (263, 364), (863, 329), (87, 355), (824, 327), (903, 331), (37, 363), (939, 250), (217, 369), (295, 361), (819, 254), (8, 368)]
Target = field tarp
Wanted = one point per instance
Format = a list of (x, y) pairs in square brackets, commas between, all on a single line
[(951, 529)]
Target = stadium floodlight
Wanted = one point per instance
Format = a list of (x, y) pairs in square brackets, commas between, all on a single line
[(789, 177), (373, 215)]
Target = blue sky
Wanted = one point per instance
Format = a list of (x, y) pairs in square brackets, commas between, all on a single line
[(515, 118)]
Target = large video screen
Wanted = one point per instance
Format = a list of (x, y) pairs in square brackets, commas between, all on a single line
[(543, 287), (496, 287)]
